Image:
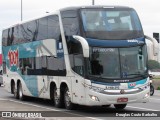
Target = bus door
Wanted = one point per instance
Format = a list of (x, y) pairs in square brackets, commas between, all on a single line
[(44, 80), (78, 90)]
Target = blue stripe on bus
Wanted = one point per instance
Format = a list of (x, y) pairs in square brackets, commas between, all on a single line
[(114, 43), (140, 82), (31, 82), (26, 50)]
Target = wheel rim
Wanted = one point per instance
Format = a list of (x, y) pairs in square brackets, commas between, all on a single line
[(56, 98), (20, 92), (67, 98)]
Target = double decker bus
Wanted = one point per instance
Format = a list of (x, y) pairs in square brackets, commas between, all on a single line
[(91, 55)]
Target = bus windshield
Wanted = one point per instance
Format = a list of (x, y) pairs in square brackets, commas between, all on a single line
[(112, 24), (118, 62)]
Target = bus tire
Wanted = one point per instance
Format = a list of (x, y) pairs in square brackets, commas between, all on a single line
[(151, 90), (20, 92), (15, 91), (120, 106), (57, 99), (67, 100)]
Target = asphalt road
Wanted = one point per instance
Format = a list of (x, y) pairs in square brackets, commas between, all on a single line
[(41, 107)]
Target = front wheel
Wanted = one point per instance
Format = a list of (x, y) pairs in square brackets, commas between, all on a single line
[(67, 100), (120, 106), (151, 90)]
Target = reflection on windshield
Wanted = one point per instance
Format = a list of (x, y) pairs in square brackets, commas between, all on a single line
[(111, 24), (118, 20), (118, 62)]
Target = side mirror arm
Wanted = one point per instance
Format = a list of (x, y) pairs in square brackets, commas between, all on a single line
[(84, 44), (155, 45)]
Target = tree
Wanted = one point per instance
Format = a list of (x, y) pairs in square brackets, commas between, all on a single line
[(153, 64)]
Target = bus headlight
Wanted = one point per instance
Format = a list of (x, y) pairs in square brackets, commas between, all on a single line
[(96, 89), (94, 98)]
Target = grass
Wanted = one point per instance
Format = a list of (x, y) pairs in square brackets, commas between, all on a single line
[(156, 78)]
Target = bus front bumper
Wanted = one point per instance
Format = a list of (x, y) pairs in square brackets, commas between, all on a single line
[(99, 99)]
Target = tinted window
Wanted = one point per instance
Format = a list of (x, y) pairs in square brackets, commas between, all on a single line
[(70, 23), (112, 24), (77, 63), (15, 35), (53, 27), (28, 31), (4, 37), (40, 29), (4, 68), (56, 66), (71, 27), (43, 66)]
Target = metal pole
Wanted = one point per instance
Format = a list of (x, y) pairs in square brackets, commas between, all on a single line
[(21, 11), (92, 2)]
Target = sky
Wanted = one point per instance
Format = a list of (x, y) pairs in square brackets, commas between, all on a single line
[(10, 10)]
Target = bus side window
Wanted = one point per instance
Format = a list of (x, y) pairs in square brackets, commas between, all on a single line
[(4, 68), (4, 37), (71, 27), (79, 64)]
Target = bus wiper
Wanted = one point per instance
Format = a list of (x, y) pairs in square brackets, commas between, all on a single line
[(97, 76), (138, 74)]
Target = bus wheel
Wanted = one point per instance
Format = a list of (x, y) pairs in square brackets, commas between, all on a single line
[(15, 91), (20, 92), (57, 99), (67, 100), (120, 106)]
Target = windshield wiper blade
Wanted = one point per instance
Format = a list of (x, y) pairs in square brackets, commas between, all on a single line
[(138, 74)]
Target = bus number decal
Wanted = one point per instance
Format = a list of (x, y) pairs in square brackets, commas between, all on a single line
[(13, 56)]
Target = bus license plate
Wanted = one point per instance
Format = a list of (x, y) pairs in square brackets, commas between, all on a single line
[(122, 100)]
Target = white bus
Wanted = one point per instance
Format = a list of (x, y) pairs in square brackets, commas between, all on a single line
[(92, 55)]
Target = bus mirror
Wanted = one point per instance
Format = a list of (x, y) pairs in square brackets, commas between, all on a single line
[(47, 48), (155, 45), (84, 43)]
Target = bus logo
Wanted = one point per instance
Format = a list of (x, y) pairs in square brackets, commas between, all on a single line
[(132, 84), (13, 56)]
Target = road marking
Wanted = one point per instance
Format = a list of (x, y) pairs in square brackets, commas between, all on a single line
[(154, 99), (2, 99), (51, 109), (142, 108)]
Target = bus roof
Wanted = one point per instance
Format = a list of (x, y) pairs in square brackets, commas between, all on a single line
[(89, 7), (65, 9)]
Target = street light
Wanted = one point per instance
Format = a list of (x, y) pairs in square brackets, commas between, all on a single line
[(21, 11), (92, 2)]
